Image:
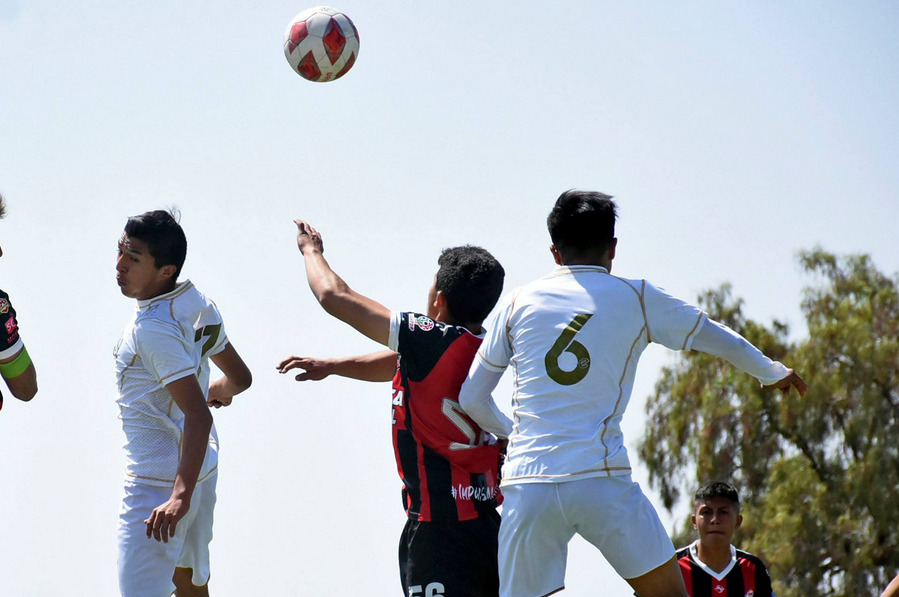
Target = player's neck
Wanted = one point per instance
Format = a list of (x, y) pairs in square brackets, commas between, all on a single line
[(716, 558), (606, 263), (474, 328)]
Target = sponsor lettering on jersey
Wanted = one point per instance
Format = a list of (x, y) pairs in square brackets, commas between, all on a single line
[(4, 305), (11, 326), (398, 397), (425, 323), (479, 490), (470, 492)]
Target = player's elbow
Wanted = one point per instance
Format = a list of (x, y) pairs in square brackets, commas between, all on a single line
[(27, 393), (23, 387), (335, 300), (242, 380), (201, 419)]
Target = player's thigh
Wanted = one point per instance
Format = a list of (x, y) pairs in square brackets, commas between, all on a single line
[(614, 515), (145, 565), (663, 581), (184, 586), (450, 559), (533, 541), (197, 532)]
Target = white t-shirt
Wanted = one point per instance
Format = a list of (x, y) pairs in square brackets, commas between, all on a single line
[(573, 339), (170, 337)]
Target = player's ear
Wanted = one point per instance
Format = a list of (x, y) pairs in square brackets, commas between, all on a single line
[(612, 248), (693, 520), (168, 271), (739, 521), (440, 300), (557, 257)]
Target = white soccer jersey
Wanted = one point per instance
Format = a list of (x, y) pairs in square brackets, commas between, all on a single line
[(573, 339), (170, 337)]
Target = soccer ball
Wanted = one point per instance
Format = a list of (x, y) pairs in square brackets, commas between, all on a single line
[(321, 44)]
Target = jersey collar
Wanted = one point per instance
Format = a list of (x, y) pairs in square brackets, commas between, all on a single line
[(178, 289), (573, 269), (694, 553)]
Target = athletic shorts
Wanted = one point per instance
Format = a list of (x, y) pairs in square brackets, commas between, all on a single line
[(146, 566), (450, 559), (539, 519)]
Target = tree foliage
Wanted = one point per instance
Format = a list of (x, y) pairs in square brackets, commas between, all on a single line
[(818, 476)]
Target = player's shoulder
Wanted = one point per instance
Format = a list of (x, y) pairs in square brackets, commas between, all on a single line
[(5, 304), (745, 555), (411, 321), (683, 552)]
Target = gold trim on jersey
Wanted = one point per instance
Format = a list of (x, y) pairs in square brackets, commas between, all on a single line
[(121, 374), (608, 470), (699, 320), (199, 479)]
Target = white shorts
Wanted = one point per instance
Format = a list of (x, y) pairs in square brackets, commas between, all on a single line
[(539, 519), (146, 566)]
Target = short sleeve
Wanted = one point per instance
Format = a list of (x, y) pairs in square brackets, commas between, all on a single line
[(164, 352), (10, 342), (672, 322)]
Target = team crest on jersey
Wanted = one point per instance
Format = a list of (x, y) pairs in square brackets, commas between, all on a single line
[(425, 323), (749, 593), (4, 305), (719, 589)]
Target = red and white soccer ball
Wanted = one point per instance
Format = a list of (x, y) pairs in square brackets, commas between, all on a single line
[(321, 44)]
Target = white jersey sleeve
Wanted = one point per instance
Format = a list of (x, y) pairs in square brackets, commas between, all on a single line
[(163, 351), (718, 339), (670, 321)]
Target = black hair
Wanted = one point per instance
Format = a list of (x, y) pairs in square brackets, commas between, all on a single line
[(2, 207), (164, 237), (582, 222), (471, 279), (717, 489)]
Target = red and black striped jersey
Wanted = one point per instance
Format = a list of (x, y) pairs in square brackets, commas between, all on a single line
[(745, 576), (448, 464)]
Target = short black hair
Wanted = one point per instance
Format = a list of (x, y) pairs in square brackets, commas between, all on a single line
[(717, 489), (471, 279), (582, 222), (164, 237)]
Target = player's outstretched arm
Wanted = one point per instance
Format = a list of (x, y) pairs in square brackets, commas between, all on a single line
[(188, 396), (20, 376), (237, 377), (376, 366), (718, 339), (335, 296), (792, 380)]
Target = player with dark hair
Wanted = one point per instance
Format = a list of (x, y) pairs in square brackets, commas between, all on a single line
[(16, 366), (575, 338), (162, 369), (449, 466), (711, 566)]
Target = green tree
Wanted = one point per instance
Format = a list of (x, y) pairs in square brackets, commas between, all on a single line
[(818, 476)]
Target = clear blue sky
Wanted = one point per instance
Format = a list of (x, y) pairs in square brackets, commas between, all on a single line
[(732, 135)]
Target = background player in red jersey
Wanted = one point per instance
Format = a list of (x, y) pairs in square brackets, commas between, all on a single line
[(711, 566), (15, 365), (448, 464)]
